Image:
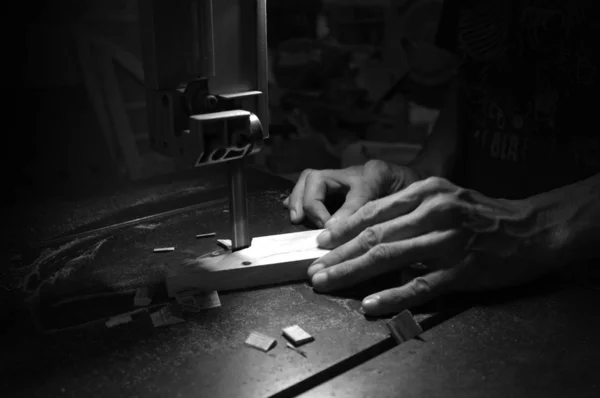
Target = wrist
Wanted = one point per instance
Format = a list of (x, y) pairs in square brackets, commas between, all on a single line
[(571, 217), (512, 230)]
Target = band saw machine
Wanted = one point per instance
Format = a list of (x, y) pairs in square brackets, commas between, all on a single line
[(207, 96)]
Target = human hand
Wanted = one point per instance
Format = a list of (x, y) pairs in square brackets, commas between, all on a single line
[(465, 240), (359, 184)]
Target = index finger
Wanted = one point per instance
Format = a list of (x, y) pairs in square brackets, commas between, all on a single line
[(315, 193), (372, 213), (294, 201), (380, 211)]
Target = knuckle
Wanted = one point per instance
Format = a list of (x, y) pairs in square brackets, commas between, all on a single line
[(420, 286), (375, 165), (369, 211), (442, 204), (309, 174), (464, 194), (339, 273), (370, 238), (434, 182), (380, 252)]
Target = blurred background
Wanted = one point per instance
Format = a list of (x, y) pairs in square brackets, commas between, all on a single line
[(350, 80)]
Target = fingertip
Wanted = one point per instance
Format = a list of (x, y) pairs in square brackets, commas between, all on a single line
[(313, 269), (295, 216), (370, 305), (324, 239), (319, 280)]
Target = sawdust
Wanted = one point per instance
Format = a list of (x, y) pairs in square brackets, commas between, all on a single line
[(32, 271), (29, 279), (88, 255), (344, 302), (50, 254)]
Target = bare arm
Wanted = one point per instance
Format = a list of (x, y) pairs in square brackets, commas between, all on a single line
[(439, 153), (570, 218)]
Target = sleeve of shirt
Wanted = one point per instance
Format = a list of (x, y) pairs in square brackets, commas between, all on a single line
[(447, 33)]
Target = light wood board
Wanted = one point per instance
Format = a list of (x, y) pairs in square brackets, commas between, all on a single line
[(269, 260)]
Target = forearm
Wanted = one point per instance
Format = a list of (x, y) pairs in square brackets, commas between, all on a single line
[(571, 217), (441, 149)]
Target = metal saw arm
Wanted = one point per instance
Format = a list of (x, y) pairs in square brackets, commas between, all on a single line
[(206, 77)]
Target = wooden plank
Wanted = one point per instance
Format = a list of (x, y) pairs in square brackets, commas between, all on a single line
[(117, 53), (269, 260), (94, 90), (121, 121)]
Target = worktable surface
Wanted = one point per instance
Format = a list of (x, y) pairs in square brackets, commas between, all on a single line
[(483, 350), (545, 345)]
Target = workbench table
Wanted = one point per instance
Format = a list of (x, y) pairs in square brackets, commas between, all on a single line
[(545, 343), (204, 356)]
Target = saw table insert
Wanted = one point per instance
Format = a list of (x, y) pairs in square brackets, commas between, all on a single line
[(269, 260)]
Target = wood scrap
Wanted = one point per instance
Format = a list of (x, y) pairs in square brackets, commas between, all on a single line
[(260, 341), (163, 249), (118, 320), (207, 235), (168, 315), (404, 327), (198, 302), (143, 296), (224, 243), (296, 335), (270, 260)]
